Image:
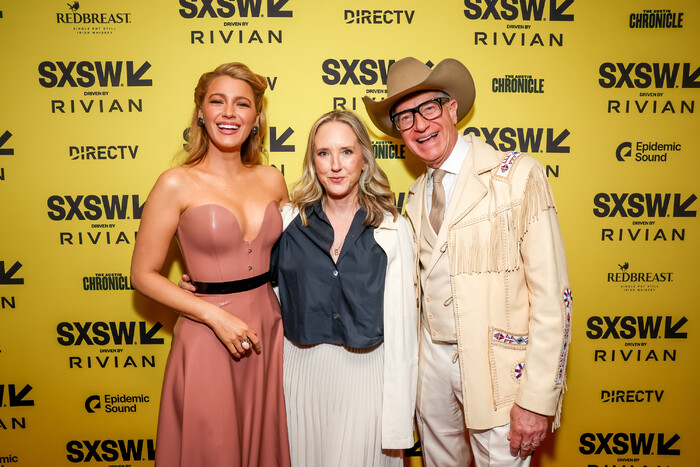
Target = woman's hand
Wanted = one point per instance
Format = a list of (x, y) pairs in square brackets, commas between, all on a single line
[(234, 333), (186, 284)]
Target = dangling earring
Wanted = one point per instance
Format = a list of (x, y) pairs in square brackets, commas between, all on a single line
[(200, 121), (254, 131)]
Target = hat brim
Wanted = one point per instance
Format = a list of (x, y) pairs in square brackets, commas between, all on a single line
[(449, 76)]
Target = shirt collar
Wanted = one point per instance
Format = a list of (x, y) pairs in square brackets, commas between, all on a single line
[(454, 162)]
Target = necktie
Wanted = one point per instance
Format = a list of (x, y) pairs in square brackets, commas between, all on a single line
[(437, 211)]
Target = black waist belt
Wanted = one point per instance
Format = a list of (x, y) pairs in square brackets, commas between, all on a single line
[(217, 288)]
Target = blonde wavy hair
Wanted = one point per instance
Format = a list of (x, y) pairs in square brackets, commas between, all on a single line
[(374, 193), (253, 150)]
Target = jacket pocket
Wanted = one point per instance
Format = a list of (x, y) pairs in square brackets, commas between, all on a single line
[(507, 364)]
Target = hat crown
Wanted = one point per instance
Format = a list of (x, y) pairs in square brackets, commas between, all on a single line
[(405, 74)]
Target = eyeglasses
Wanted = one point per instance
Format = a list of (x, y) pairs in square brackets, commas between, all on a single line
[(429, 110)]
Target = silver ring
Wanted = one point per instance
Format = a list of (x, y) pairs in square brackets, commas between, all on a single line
[(535, 443), (525, 445)]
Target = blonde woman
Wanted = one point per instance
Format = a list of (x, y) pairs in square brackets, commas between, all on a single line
[(348, 306), (222, 402)]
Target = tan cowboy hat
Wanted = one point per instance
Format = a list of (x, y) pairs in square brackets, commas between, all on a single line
[(410, 75)]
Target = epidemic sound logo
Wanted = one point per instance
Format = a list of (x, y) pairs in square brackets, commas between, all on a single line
[(74, 17), (107, 333), (103, 152), (94, 207), (530, 140), (5, 460), (656, 19), (659, 444), (92, 403), (636, 327), (524, 10), (518, 84), (118, 403), (107, 281), (378, 16), (110, 450), (652, 151), (631, 396), (230, 8), (86, 74)]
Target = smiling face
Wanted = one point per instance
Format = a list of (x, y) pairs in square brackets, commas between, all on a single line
[(430, 140), (338, 160), (229, 114)]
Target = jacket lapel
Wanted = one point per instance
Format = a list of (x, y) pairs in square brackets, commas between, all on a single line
[(469, 190)]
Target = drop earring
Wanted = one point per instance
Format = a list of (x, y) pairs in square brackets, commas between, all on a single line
[(200, 121), (254, 131)]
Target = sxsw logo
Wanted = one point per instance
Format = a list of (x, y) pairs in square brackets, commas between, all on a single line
[(94, 207), (522, 10), (644, 75), (7, 276), (85, 74), (110, 450), (636, 327), (660, 444), (107, 333), (356, 71), (643, 204), (16, 396), (4, 138), (530, 140), (229, 8)]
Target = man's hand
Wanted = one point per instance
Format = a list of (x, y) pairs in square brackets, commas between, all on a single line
[(527, 430)]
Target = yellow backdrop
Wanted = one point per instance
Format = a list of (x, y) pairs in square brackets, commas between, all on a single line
[(96, 96)]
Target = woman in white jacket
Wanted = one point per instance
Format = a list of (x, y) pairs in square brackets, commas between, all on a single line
[(348, 306)]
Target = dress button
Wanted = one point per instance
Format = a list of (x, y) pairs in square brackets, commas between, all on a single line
[(434, 333), (335, 273), (430, 316), (336, 316), (250, 250), (454, 334), (427, 299), (250, 268)]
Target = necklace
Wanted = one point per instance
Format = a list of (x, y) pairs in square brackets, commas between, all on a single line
[(336, 250)]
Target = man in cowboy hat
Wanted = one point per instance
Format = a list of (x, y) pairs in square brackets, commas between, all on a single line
[(491, 272)]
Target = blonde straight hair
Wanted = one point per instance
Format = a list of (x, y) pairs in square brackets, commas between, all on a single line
[(374, 193), (253, 150)]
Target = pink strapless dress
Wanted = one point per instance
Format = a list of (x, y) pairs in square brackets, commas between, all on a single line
[(216, 411)]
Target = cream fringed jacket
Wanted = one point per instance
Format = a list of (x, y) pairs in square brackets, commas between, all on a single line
[(510, 288), (400, 330)]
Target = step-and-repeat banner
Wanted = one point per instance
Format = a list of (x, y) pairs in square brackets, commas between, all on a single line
[(96, 96)]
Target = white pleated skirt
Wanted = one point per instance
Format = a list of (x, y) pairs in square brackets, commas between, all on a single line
[(333, 397)]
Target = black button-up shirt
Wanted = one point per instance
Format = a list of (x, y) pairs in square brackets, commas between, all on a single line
[(325, 302)]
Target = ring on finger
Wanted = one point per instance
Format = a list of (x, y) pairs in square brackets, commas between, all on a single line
[(525, 445), (245, 343), (535, 443)]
